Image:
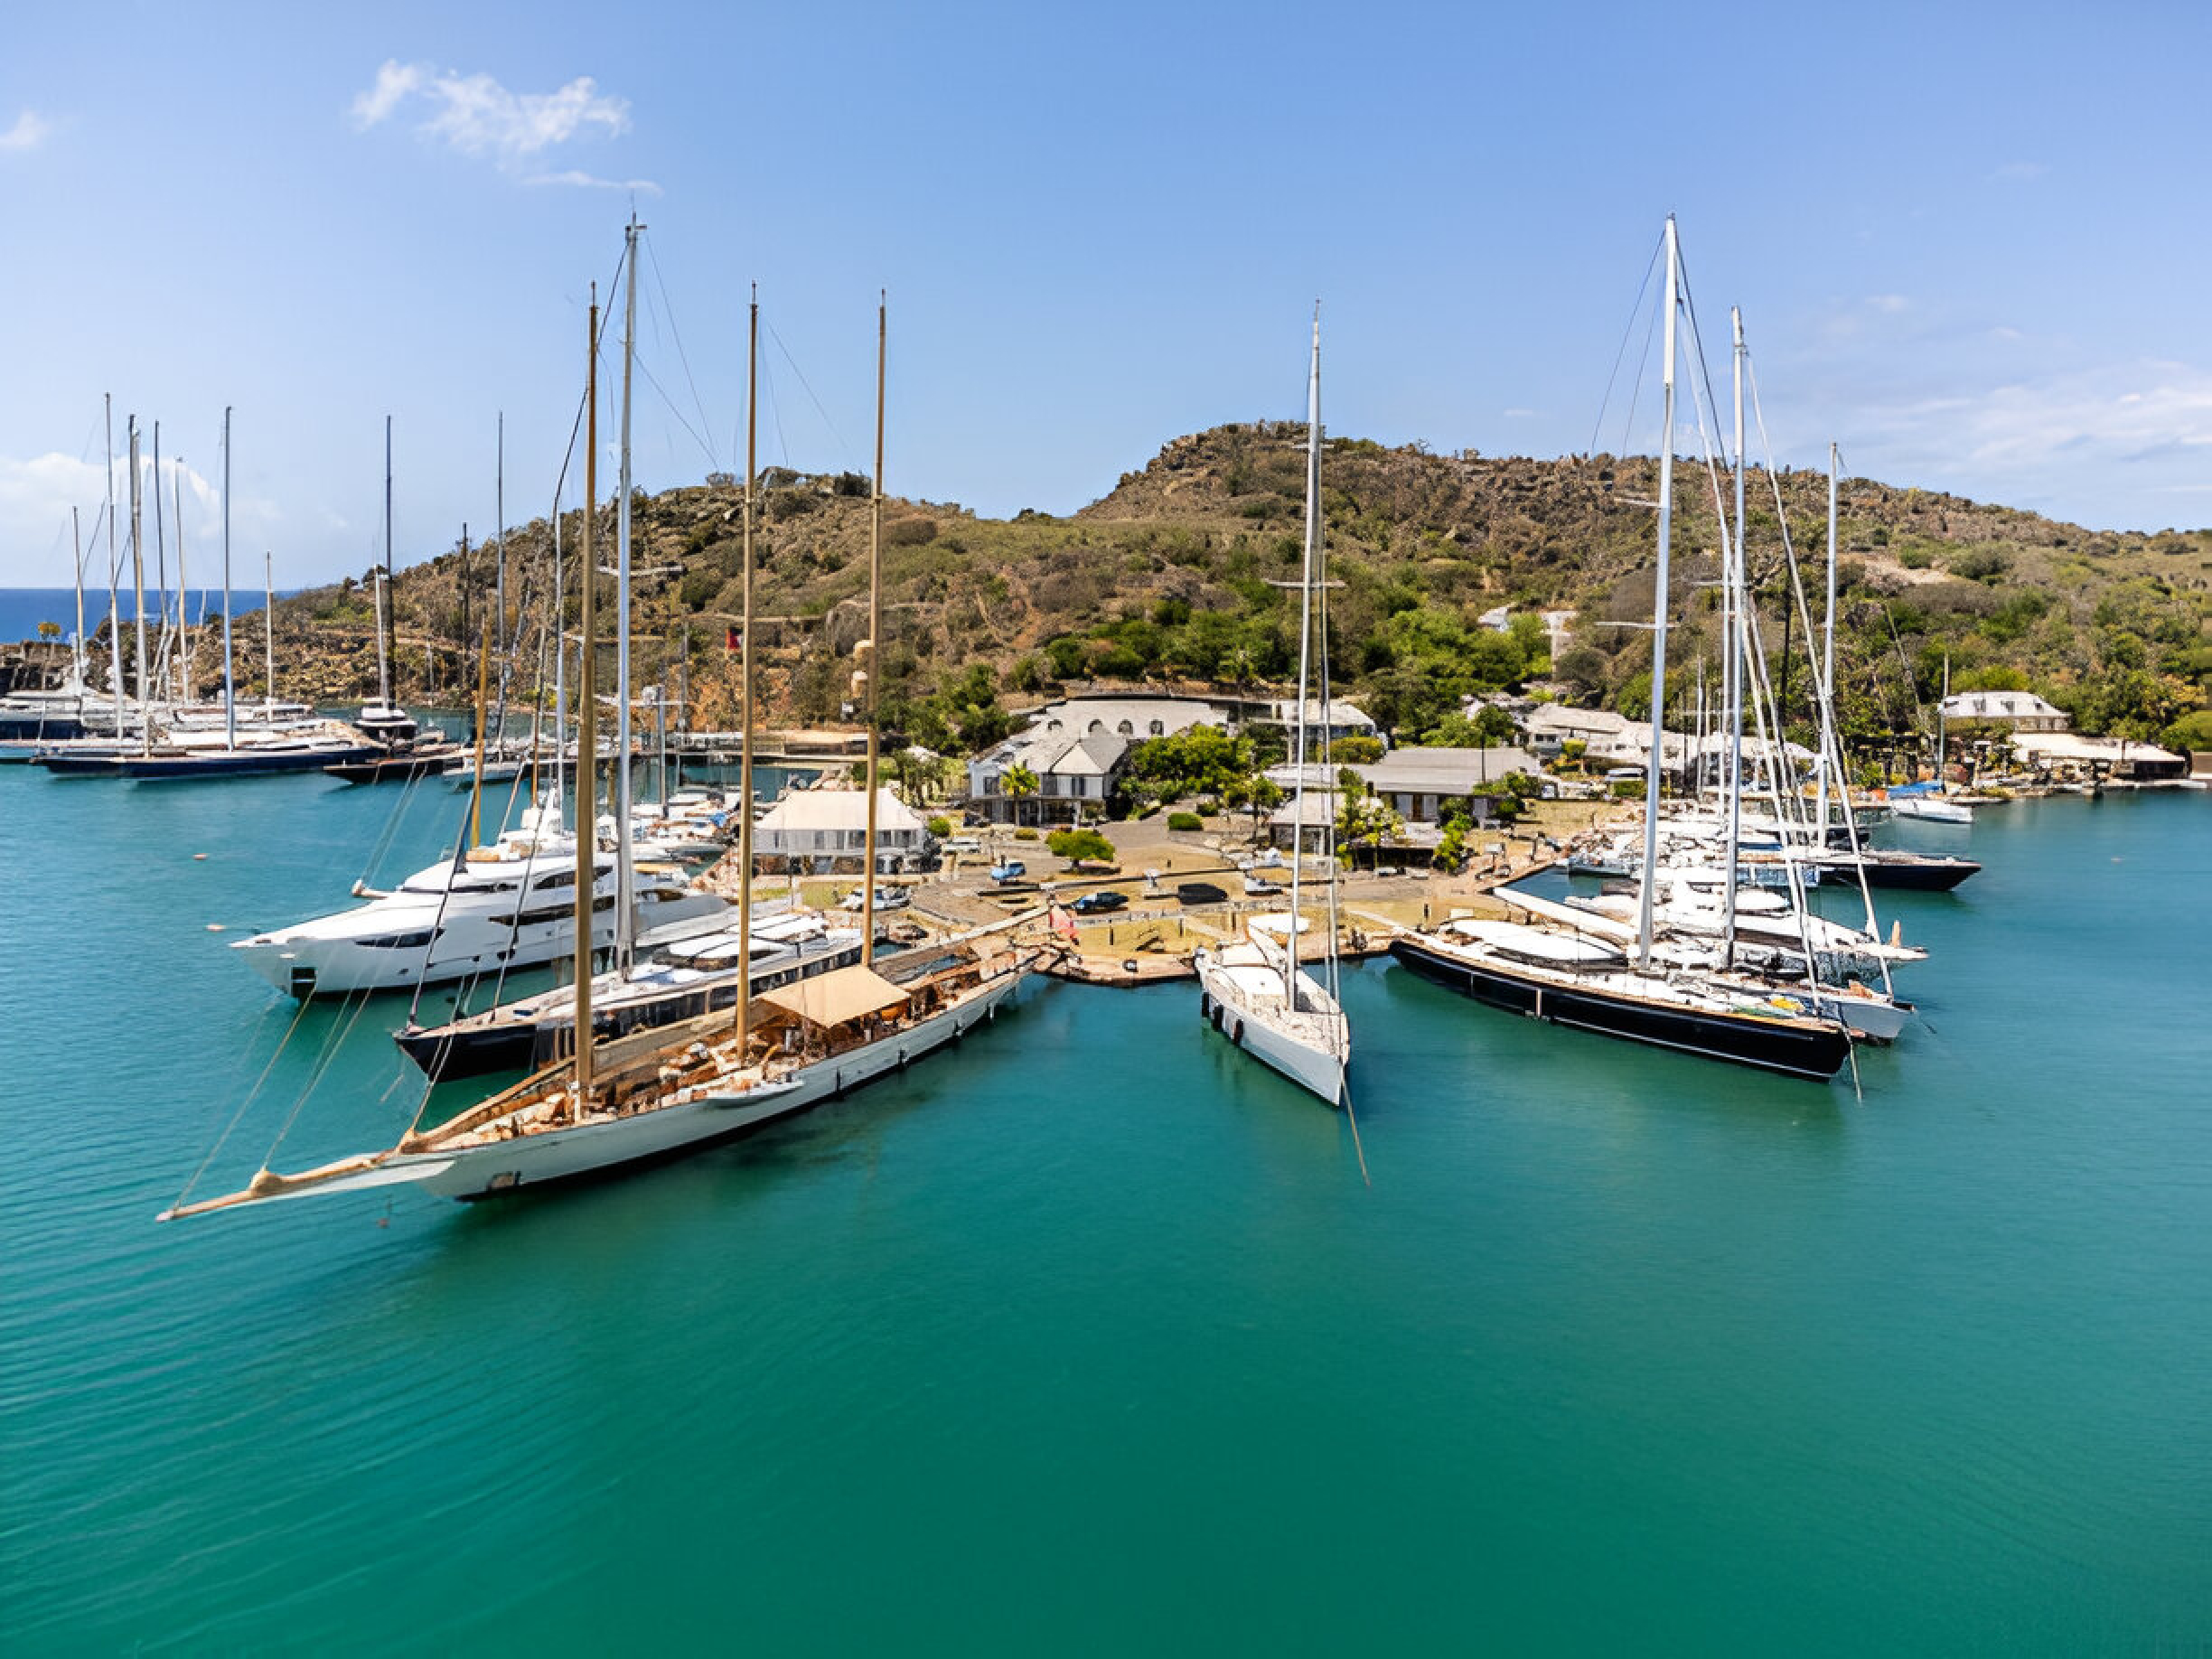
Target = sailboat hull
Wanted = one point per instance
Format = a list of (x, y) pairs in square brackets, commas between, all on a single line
[(601, 1147), (1791, 1048), (1307, 1059)]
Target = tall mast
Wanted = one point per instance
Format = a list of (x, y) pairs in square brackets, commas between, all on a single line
[(744, 694), (1827, 687), (1306, 606), (268, 631), (161, 579), (499, 497), (1735, 583), (115, 568), (146, 727), (229, 681), (587, 723), (560, 657), (625, 880), (868, 880), (484, 678), (1656, 768), (176, 483), (77, 643), (384, 577)]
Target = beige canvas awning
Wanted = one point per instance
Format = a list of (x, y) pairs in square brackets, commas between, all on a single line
[(834, 998)]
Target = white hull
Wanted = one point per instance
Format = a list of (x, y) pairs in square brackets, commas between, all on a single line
[(500, 1167), (1310, 1047), (1928, 811)]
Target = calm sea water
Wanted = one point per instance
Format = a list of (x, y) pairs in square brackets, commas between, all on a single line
[(23, 609), (1087, 1338)]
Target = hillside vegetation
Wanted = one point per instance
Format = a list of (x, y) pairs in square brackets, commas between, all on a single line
[(1175, 578)]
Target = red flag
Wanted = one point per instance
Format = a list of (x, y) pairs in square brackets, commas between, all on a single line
[(729, 639)]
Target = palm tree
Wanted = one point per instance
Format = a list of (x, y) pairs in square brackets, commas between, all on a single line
[(1018, 783)]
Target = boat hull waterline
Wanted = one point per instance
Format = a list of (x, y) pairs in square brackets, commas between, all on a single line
[(602, 1146), (1791, 1047)]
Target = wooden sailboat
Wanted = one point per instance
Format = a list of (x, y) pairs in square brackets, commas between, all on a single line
[(1254, 990), (661, 1092)]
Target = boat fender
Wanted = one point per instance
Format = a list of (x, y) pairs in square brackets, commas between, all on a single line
[(1206, 1005), (1237, 1036), (902, 1060), (1217, 1015)]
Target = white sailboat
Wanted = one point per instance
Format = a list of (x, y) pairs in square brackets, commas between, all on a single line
[(1254, 989)]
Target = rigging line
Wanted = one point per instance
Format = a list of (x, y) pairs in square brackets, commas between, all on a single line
[(706, 446), (1636, 392), (668, 306), (299, 1012), (1627, 330), (837, 437), (1354, 1122), (340, 1035)]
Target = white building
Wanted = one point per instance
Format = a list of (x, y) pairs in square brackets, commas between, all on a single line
[(817, 831), (2022, 710), (1073, 773)]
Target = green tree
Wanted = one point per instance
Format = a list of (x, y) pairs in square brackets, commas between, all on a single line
[(1076, 846), (1018, 783)]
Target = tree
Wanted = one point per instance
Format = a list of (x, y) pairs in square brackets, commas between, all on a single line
[(1018, 783), (1077, 845)]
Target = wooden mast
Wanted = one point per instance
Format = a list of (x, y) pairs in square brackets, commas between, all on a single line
[(587, 724), (484, 685), (869, 656), (745, 699)]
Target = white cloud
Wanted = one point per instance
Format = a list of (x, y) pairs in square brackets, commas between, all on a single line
[(1888, 304), (644, 187), (2020, 172), (28, 133), (1518, 414), (477, 116), (394, 81), (36, 496), (2093, 444)]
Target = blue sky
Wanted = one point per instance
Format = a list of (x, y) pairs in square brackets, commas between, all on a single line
[(1969, 243)]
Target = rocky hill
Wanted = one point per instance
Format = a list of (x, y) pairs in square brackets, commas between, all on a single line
[(1176, 575)]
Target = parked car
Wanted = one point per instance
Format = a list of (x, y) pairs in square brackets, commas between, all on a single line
[(1260, 886), (1201, 892), (1090, 903), (962, 844), (886, 898), (1008, 871)]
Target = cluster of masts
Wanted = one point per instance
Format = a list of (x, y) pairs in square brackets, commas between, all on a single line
[(731, 1033)]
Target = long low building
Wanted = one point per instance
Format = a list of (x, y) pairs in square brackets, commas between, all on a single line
[(1416, 783), (2117, 758), (820, 831)]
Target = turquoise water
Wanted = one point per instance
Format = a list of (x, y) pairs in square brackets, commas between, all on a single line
[(1087, 1338)]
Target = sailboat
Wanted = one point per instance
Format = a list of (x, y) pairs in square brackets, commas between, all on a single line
[(407, 755), (657, 1093), (1254, 990), (1589, 979)]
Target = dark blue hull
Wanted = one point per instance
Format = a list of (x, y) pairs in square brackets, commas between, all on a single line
[(1815, 1052), (176, 768)]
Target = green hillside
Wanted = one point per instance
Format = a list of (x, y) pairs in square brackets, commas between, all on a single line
[(1173, 578)]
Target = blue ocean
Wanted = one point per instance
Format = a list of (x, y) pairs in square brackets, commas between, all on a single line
[(1087, 1337)]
